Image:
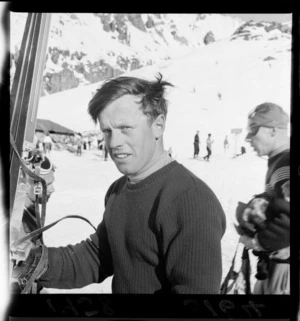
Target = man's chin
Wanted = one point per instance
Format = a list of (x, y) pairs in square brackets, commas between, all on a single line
[(123, 171), (256, 151), (122, 168)]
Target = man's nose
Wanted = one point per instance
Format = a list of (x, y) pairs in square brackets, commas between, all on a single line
[(115, 140), (248, 139)]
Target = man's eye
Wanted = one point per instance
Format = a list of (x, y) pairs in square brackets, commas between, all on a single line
[(125, 127)]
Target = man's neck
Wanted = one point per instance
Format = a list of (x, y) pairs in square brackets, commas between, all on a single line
[(157, 163), (280, 149)]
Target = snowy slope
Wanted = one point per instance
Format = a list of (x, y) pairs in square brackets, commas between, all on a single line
[(239, 70)]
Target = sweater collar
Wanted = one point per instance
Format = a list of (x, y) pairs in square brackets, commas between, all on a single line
[(157, 163), (152, 177)]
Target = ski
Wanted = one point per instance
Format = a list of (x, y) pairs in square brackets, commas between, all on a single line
[(25, 93)]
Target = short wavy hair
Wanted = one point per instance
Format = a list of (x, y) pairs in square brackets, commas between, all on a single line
[(153, 102)]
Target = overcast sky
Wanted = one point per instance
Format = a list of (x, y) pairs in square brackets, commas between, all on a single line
[(278, 17)]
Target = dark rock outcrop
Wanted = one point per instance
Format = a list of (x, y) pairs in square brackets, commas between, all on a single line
[(244, 30), (136, 20), (277, 25), (59, 81), (150, 23), (209, 38), (269, 58)]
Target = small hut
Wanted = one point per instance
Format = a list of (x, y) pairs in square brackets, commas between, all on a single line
[(58, 133)]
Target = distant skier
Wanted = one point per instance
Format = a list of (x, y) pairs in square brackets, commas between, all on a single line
[(38, 142), (89, 141), (104, 151), (226, 143), (209, 143), (85, 142), (196, 144), (79, 145), (219, 96), (48, 142), (99, 140), (243, 151)]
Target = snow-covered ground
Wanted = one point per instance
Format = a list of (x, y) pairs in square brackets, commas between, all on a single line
[(81, 184)]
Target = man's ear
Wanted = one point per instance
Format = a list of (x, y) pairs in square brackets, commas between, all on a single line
[(273, 131), (158, 126)]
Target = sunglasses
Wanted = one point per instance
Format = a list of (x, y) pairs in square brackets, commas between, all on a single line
[(252, 131)]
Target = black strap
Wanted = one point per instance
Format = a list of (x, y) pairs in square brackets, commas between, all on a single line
[(45, 228), (231, 275), (246, 269), (266, 256)]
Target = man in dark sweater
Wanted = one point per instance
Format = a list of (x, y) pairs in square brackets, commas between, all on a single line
[(267, 134), (162, 226)]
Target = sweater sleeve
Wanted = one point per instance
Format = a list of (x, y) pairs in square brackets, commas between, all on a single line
[(76, 266), (191, 231)]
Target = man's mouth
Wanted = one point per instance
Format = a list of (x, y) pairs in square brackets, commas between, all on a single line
[(121, 156)]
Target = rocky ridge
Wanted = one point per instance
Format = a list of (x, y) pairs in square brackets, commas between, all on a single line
[(87, 48)]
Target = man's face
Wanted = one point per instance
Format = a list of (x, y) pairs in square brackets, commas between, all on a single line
[(263, 141), (129, 135)]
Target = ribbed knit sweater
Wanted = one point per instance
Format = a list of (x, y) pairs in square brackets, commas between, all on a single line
[(276, 234), (160, 235)]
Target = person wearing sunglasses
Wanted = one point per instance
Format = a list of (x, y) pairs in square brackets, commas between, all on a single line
[(268, 135)]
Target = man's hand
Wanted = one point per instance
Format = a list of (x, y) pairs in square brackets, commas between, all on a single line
[(250, 243), (26, 272), (247, 241), (244, 227), (239, 211)]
